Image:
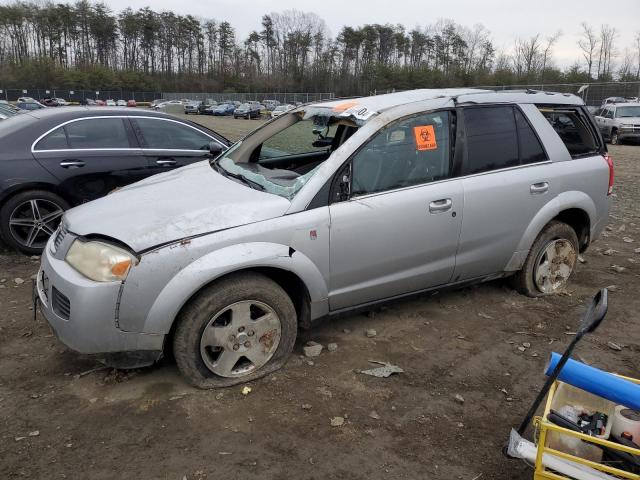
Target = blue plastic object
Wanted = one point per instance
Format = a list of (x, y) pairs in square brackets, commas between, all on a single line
[(597, 382)]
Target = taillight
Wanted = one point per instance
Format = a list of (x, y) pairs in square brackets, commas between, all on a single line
[(609, 160)]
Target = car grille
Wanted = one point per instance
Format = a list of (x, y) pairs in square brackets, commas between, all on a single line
[(60, 303)]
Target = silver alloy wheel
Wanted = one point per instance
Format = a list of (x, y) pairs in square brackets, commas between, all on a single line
[(554, 266), (240, 338), (33, 221)]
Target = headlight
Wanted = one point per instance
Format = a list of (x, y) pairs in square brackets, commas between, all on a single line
[(99, 261)]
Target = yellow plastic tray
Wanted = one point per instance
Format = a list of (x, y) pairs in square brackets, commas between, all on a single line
[(543, 427)]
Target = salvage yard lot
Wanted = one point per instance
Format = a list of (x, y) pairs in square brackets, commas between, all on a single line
[(61, 416)]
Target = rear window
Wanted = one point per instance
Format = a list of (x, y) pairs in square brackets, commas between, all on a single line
[(572, 128)]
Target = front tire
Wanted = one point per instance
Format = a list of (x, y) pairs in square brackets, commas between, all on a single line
[(550, 263), (236, 330), (614, 138), (29, 218)]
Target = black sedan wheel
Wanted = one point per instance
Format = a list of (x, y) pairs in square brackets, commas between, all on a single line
[(28, 219)]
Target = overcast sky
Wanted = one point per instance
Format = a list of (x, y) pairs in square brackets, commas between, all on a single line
[(507, 20)]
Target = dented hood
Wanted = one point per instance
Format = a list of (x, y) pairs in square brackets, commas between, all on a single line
[(189, 201)]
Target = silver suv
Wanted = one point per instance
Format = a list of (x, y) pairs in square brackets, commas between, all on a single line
[(328, 208), (619, 122)]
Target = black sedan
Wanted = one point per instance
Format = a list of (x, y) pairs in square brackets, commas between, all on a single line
[(247, 110), (52, 159)]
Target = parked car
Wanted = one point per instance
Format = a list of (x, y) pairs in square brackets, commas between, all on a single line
[(610, 100), (205, 107), (110, 103), (131, 103), (247, 111), (156, 102), (100, 103), (121, 103), (191, 107), (224, 109), (161, 106), (30, 105), (59, 157), (619, 122), (280, 109), (88, 101), (49, 102), (27, 100), (270, 104), (61, 102), (224, 260)]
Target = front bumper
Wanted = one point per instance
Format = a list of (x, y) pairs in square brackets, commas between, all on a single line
[(625, 134), (83, 313)]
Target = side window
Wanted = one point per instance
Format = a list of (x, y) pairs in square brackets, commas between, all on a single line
[(609, 113), (97, 133), (412, 151), (529, 146), (492, 139), (56, 140), (572, 129), (163, 134)]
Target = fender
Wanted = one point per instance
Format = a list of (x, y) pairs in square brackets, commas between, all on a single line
[(227, 260), (563, 201)]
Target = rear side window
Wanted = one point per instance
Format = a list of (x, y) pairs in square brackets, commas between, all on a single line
[(492, 139), (56, 140), (167, 135), (573, 130), (97, 133)]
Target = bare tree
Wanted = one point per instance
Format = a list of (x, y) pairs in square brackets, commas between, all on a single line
[(546, 52), (588, 44), (607, 51)]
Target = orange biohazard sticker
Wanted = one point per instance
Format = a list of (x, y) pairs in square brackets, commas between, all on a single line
[(425, 137)]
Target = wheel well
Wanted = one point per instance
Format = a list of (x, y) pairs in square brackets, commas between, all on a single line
[(578, 220), (288, 281), (32, 186)]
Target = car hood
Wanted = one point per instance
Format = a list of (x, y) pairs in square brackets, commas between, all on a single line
[(633, 120), (186, 202)]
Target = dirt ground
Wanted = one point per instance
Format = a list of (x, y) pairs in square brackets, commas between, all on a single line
[(63, 417)]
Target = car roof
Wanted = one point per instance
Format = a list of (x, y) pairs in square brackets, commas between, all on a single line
[(70, 113), (624, 104), (461, 95)]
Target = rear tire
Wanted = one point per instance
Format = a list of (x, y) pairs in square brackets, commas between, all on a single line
[(29, 218), (215, 345), (550, 263)]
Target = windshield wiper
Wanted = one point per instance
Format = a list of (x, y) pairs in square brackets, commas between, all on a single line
[(237, 176)]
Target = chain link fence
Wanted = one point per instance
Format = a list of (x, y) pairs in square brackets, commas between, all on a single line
[(592, 93)]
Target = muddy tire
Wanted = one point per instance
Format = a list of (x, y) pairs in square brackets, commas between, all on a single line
[(234, 331), (29, 218), (550, 263)]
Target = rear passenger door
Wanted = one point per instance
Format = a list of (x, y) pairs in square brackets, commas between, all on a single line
[(505, 179), (91, 156), (169, 144)]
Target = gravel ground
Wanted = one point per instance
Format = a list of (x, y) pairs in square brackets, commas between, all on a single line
[(61, 416)]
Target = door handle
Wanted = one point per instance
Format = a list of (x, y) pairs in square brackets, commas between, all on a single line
[(72, 164), (166, 163), (439, 206), (538, 188)]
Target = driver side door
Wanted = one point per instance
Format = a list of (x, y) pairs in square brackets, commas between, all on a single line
[(396, 229)]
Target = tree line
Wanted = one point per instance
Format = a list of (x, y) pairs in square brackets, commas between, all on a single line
[(85, 45)]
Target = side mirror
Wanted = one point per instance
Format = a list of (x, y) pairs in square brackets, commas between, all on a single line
[(215, 149)]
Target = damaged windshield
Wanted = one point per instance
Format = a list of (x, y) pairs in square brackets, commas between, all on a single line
[(281, 156)]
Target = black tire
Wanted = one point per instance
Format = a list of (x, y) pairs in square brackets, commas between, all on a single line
[(12, 235), (524, 281), (195, 317), (614, 138)]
